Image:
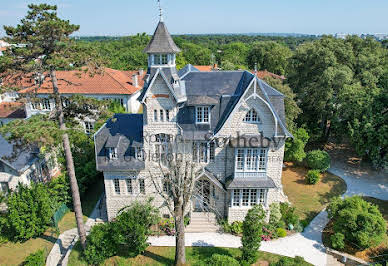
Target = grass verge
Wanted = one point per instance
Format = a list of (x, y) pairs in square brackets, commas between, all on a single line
[(165, 256)]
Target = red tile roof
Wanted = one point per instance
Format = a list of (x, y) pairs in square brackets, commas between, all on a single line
[(12, 110), (265, 73), (204, 68), (75, 82)]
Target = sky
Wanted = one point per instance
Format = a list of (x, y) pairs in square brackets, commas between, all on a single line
[(128, 17)]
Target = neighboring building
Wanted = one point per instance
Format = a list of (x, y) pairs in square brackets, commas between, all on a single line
[(200, 108), (121, 86), (24, 166), (10, 111)]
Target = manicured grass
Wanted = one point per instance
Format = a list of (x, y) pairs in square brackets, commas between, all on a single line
[(370, 254), (309, 200), (15, 253), (88, 203), (165, 256)]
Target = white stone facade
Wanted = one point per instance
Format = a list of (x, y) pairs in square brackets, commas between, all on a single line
[(159, 97)]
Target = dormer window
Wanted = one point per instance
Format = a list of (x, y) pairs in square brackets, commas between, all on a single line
[(202, 114), (252, 117), (139, 153), (112, 153)]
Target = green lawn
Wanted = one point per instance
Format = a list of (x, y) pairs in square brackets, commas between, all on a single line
[(309, 200), (165, 256), (14, 253)]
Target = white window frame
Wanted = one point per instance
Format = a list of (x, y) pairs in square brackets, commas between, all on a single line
[(112, 153), (116, 186), (129, 184), (46, 104), (139, 153), (260, 197), (161, 113), (89, 127), (203, 152), (142, 189), (164, 59), (167, 115), (251, 160), (156, 115), (200, 115), (252, 116)]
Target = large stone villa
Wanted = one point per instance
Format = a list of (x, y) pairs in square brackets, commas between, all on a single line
[(201, 108)]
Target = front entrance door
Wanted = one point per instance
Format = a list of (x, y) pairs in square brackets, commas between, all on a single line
[(202, 195)]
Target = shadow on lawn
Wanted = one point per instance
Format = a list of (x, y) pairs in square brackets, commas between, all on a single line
[(336, 190), (158, 258), (204, 253)]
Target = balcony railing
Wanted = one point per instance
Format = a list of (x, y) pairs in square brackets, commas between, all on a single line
[(249, 174)]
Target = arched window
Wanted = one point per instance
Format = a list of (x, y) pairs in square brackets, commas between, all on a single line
[(252, 117)]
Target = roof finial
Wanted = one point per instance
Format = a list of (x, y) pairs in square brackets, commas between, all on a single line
[(160, 12)]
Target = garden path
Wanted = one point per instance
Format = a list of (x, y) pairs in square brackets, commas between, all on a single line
[(307, 244)]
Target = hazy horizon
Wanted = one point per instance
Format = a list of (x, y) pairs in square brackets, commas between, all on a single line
[(123, 18)]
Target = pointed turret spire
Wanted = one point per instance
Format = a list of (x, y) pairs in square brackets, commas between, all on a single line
[(160, 12), (161, 42)]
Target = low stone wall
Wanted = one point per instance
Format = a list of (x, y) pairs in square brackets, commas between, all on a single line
[(344, 258)]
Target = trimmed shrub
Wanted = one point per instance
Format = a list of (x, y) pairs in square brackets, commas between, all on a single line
[(252, 230), (274, 215), (133, 225), (281, 232), (222, 260), (129, 233), (319, 160), (360, 222), (313, 176), (287, 261), (288, 214), (236, 227), (100, 244), (35, 259)]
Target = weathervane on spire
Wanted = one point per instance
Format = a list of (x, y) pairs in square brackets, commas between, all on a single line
[(160, 11)]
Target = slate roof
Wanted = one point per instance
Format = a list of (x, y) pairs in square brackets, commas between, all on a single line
[(124, 132), (19, 160), (251, 182), (161, 41), (222, 90)]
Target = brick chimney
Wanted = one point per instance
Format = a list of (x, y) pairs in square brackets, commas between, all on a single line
[(134, 81)]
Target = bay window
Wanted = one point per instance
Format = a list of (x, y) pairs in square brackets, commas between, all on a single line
[(250, 160), (248, 197)]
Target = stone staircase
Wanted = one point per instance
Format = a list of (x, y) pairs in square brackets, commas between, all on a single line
[(202, 222)]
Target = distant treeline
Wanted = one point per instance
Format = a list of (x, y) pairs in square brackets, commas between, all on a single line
[(211, 40)]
